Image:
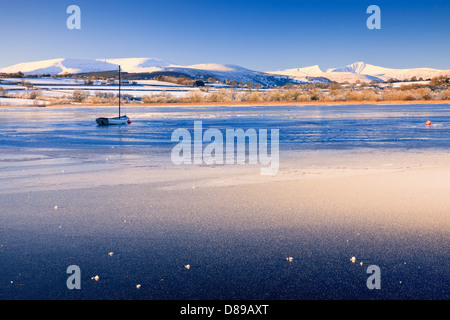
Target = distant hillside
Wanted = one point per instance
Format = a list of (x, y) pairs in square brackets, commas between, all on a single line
[(142, 68), (360, 71), (389, 73), (150, 67), (60, 66)]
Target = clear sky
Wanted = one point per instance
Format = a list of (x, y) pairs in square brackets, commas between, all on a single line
[(262, 35)]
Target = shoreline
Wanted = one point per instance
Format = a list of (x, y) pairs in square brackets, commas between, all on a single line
[(247, 103)]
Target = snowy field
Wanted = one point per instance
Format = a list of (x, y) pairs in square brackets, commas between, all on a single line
[(17, 91)]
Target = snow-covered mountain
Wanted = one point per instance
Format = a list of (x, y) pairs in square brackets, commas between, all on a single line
[(148, 65), (61, 66), (303, 74), (363, 72), (358, 71), (308, 71), (389, 73), (223, 72), (139, 65)]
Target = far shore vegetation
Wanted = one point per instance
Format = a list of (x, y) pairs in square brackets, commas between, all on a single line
[(210, 90)]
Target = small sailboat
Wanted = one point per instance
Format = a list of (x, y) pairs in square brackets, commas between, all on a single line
[(118, 120)]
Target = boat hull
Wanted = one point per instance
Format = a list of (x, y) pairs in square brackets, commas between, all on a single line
[(112, 121)]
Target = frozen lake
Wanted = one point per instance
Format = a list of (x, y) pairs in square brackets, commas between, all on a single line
[(301, 127), (38, 144), (351, 184)]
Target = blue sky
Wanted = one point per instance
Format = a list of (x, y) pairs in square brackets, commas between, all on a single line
[(261, 35)]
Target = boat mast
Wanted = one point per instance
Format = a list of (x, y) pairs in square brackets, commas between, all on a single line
[(120, 81)]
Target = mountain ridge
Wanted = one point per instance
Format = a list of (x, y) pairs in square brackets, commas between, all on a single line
[(357, 71), (364, 72), (222, 72)]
